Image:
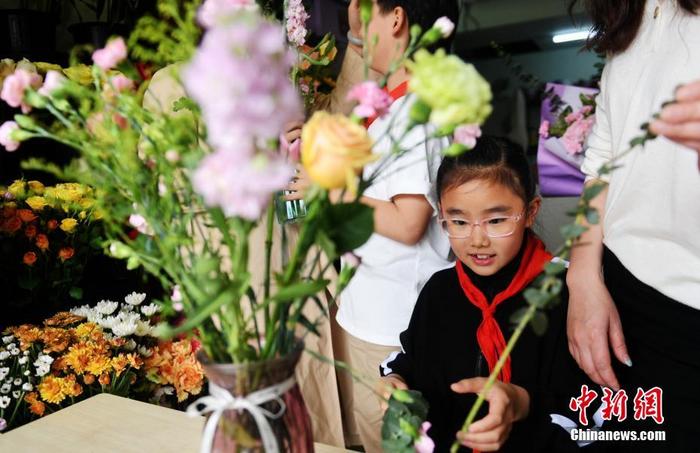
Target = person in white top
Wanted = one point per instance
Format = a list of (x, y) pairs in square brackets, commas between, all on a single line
[(634, 281)]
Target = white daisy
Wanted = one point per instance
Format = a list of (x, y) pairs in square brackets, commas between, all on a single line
[(150, 309), (106, 307), (135, 298)]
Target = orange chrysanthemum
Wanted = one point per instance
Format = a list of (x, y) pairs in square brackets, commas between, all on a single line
[(63, 319), (55, 339), (27, 335), (36, 406)]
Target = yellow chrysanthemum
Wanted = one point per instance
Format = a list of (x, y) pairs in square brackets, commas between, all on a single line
[(52, 389), (86, 330)]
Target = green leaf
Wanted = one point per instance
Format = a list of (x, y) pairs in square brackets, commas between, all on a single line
[(572, 231), (402, 396), (299, 290), (637, 141), (554, 267), (310, 326), (348, 225), (185, 103), (326, 245), (536, 297), (518, 315), (539, 323), (593, 190), (592, 216)]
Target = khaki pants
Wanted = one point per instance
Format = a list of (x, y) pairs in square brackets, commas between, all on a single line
[(359, 398)]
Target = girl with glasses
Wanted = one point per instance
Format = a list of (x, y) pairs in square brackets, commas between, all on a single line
[(461, 322)]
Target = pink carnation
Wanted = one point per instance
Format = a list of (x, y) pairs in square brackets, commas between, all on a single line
[(467, 134), (424, 444), (544, 129), (14, 86), (6, 130), (111, 55), (351, 259), (53, 81), (120, 82), (372, 100), (575, 136)]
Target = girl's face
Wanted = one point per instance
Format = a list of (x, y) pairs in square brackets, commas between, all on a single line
[(495, 208)]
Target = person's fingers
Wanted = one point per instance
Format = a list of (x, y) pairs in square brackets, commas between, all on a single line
[(689, 92), (293, 135), (495, 417), (471, 385), (617, 340), (464, 440), (681, 112), (588, 367), (600, 354), (682, 131)]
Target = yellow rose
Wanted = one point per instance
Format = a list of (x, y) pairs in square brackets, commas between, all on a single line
[(334, 150), (36, 203), (68, 225), (17, 188), (69, 191), (36, 187)]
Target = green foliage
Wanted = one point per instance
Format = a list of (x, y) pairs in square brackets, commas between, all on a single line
[(170, 38), (401, 425)]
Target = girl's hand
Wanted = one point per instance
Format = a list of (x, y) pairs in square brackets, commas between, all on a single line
[(508, 403), (292, 131), (299, 185), (680, 121), (387, 385)]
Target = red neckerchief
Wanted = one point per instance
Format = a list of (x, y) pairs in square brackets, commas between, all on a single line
[(398, 92), (489, 334)]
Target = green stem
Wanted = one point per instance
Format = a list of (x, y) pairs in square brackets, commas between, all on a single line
[(496, 370)]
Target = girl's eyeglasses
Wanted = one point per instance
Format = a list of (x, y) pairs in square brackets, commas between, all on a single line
[(494, 227)]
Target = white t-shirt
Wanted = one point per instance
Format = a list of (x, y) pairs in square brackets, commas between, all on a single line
[(377, 304), (652, 216)]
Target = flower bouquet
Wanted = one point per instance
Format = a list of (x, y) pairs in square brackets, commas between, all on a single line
[(47, 235), (108, 348), (199, 182), (568, 115)]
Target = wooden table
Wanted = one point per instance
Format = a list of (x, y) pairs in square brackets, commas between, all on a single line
[(111, 424)]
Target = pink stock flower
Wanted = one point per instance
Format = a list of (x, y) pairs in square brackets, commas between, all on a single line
[(239, 76), (111, 55), (241, 186), (6, 130), (52, 82), (424, 444), (120, 82), (544, 129), (15, 85), (215, 11), (372, 100), (296, 22), (467, 134)]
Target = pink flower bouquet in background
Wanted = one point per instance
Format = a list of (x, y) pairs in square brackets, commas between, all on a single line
[(567, 118)]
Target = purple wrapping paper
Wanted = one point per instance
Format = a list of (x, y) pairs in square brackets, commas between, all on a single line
[(559, 172)]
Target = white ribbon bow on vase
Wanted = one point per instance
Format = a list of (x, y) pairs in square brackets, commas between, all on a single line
[(221, 400)]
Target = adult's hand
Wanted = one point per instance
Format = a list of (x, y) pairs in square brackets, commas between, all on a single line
[(593, 328), (680, 121), (354, 20)]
